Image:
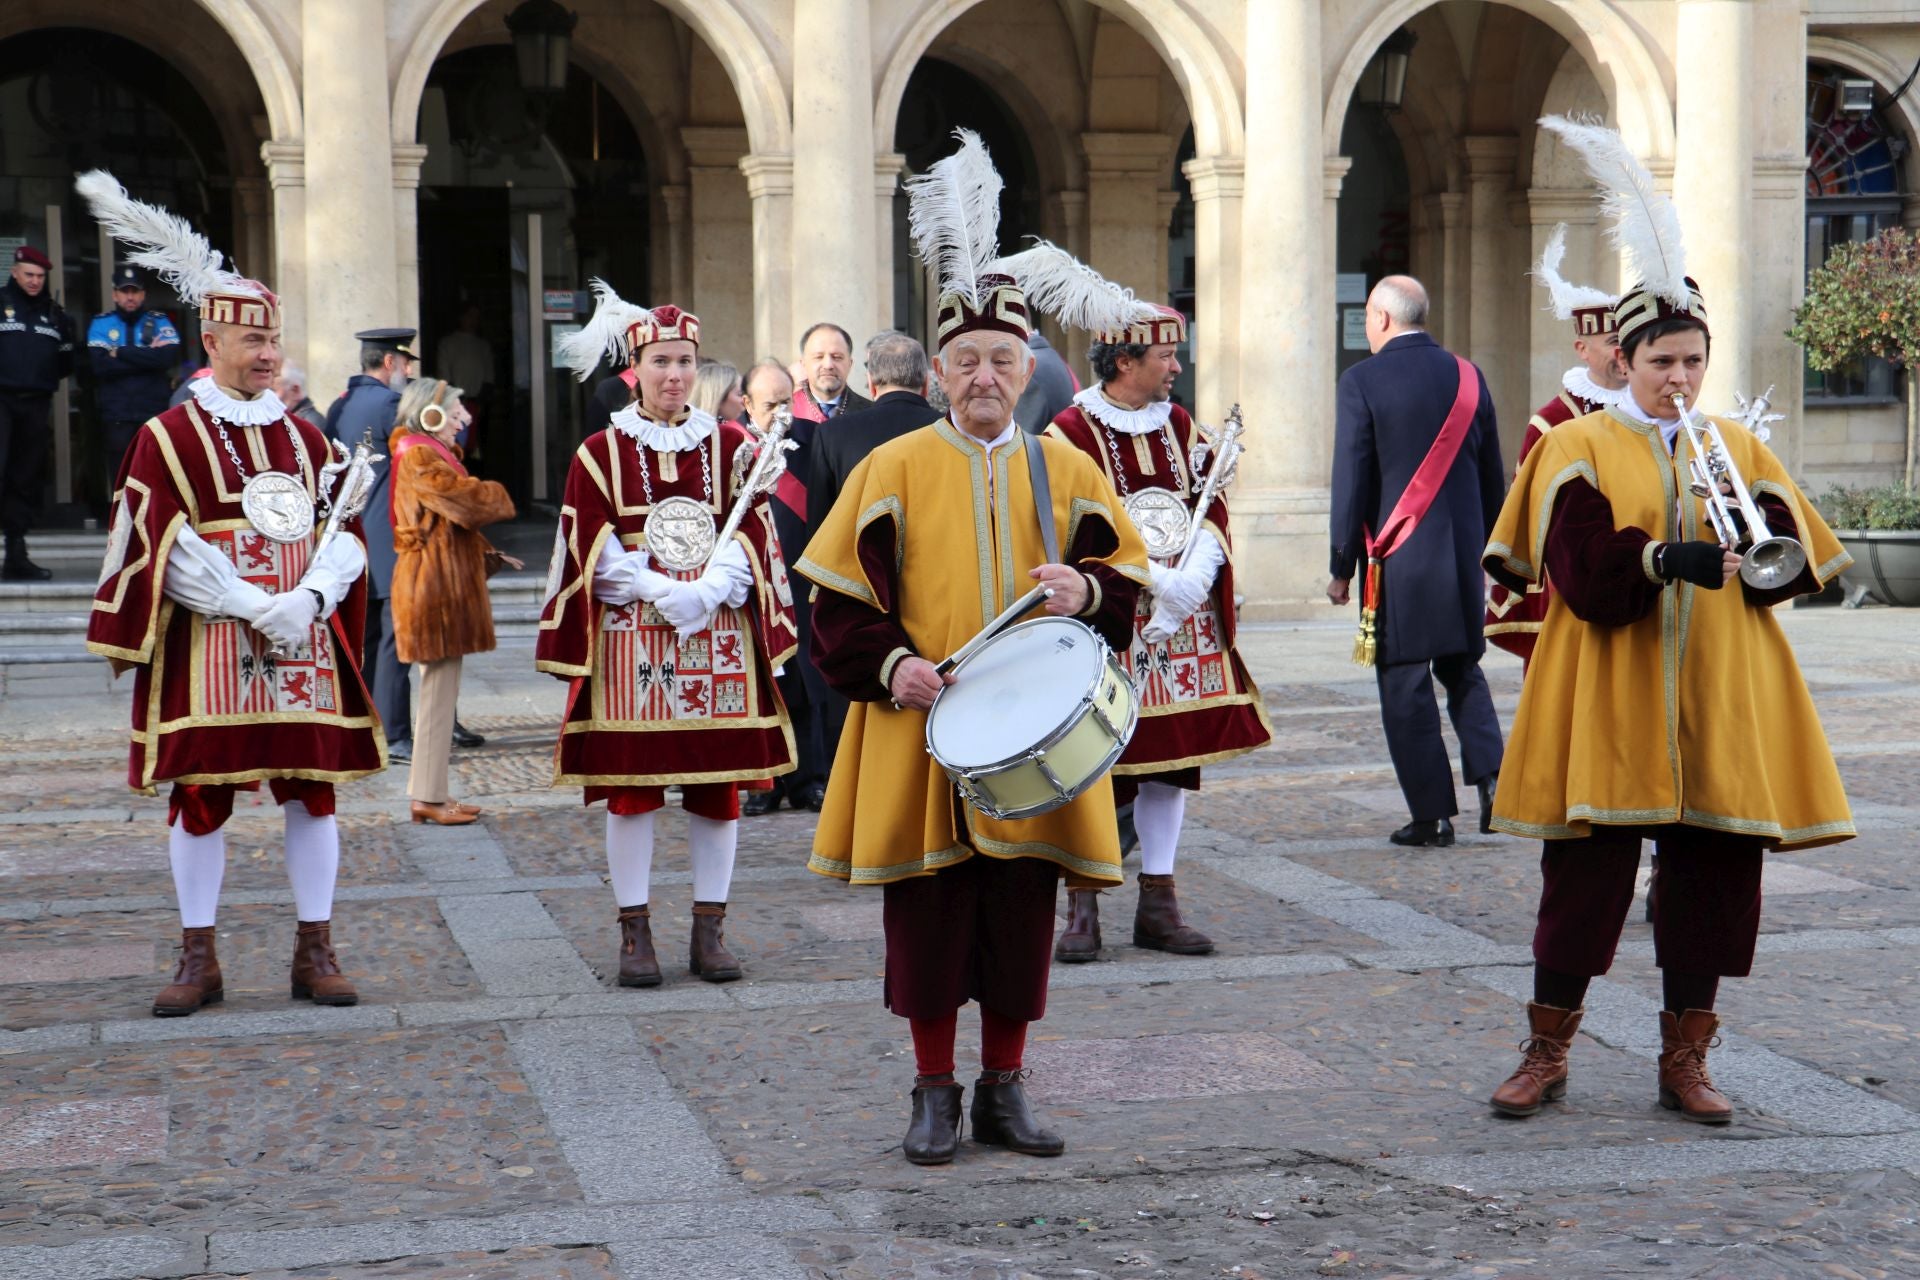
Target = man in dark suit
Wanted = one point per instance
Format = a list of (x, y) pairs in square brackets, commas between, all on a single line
[(1433, 591), (1049, 391)]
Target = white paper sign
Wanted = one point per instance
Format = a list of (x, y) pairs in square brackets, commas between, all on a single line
[(1353, 328)]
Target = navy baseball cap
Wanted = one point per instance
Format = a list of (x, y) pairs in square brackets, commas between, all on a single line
[(125, 277)]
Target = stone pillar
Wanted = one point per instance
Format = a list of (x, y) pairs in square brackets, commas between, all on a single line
[(408, 157), (1065, 223), (770, 187), (1217, 184), (1492, 338), (1449, 211), (349, 161), (1126, 234), (287, 178), (1286, 315), (1713, 179), (674, 199), (887, 168), (1333, 177), (833, 165), (721, 214), (1778, 282), (253, 226)]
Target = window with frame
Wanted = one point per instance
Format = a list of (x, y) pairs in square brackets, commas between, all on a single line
[(1853, 193)]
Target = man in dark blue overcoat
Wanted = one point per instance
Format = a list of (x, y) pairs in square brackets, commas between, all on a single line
[(1433, 591)]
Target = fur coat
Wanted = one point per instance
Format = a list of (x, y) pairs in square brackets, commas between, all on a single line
[(440, 603)]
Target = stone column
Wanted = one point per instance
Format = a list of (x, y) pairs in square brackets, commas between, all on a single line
[(408, 157), (833, 165), (1286, 315), (887, 168), (1449, 212), (674, 199), (1126, 236), (721, 214), (253, 226), (1217, 184), (1778, 282), (1713, 178), (287, 177), (1492, 336), (1065, 223), (770, 187), (349, 161)]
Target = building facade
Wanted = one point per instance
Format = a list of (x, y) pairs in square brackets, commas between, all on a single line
[(393, 162)]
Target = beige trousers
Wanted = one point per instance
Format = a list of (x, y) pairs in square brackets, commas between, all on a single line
[(433, 709)]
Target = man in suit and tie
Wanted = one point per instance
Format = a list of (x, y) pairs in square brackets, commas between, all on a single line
[(1417, 486)]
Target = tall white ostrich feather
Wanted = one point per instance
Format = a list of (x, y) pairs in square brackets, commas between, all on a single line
[(1646, 227), (162, 242), (1072, 292), (604, 332), (953, 215), (1567, 297)]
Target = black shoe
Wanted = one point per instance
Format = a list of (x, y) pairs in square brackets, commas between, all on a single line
[(400, 752), (753, 804), (1488, 785), (933, 1135), (22, 569), (1437, 834), (1002, 1117), (813, 797), (466, 738)]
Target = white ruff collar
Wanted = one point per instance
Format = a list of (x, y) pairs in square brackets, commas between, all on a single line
[(263, 409), (1153, 416), (665, 437), (1580, 384)]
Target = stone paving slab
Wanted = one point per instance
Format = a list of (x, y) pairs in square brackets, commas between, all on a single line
[(85, 1132)]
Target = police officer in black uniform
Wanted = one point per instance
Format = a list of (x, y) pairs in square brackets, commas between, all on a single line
[(133, 352), (36, 352)]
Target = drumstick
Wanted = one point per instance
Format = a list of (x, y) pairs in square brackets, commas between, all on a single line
[(995, 627)]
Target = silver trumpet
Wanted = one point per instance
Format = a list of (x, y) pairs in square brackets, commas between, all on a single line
[(350, 494), (1770, 560)]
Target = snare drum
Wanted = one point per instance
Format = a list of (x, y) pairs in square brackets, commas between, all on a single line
[(1033, 718)]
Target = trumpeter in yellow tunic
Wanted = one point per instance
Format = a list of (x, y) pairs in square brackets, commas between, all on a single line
[(1676, 717), (937, 530)]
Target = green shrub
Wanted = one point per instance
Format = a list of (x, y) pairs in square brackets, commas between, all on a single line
[(1887, 507)]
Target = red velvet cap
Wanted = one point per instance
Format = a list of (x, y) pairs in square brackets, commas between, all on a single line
[(1004, 309), (664, 323)]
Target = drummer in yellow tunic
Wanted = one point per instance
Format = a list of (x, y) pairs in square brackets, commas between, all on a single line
[(934, 534), (1662, 702)]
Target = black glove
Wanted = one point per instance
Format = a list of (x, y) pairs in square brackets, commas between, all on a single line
[(1695, 562)]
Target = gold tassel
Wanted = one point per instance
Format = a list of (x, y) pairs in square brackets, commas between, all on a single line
[(1366, 645)]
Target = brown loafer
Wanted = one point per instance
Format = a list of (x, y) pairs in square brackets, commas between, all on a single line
[(447, 813)]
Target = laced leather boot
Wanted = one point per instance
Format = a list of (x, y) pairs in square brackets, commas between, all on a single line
[(933, 1135), (708, 955), (1081, 940), (1157, 925), (316, 970), (1542, 1076), (1002, 1117), (196, 979), (639, 967), (1684, 1084)]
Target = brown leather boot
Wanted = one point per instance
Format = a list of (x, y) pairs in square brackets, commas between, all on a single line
[(1684, 1084), (1080, 942), (1542, 1076), (639, 967), (1157, 925), (196, 979), (708, 955), (316, 970)]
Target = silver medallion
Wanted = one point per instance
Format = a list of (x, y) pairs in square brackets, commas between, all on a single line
[(1161, 517), (278, 506), (679, 533)]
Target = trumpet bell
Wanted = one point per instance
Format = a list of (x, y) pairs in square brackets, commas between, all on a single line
[(1772, 562)]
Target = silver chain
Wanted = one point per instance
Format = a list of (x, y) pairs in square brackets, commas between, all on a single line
[(298, 450), (1120, 466), (646, 484)]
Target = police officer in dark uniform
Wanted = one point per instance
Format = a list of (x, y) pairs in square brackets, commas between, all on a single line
[(36, 352), (368, 410), (133, 352)]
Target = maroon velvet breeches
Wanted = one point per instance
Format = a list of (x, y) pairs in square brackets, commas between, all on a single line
[(981, 930)]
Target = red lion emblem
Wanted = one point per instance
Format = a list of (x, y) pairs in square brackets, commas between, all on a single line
[(727, 650), (1206, 630), (255, 552), (1183, 676), (693, 695), (298, 686)]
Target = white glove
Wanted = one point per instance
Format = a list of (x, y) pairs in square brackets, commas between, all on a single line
[(1180, 592), (244, 601), (288, 620), (334, 571), (624, 576), (690, 606)]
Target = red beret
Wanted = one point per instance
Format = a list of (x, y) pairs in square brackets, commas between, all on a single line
[(28, 254)]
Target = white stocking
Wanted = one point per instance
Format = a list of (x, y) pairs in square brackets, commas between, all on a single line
[(1157, 813), (313, 861), (630, 857), (199, 862), (712, 844)]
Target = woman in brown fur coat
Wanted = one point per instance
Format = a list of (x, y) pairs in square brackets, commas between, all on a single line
[(441, 611)]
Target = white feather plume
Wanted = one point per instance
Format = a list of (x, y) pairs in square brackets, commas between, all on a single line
[(1070, 291), (953, 215), (604, 332), (162, 242), (1646, 227), (1567, 298)]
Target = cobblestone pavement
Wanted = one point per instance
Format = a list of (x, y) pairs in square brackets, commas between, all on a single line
[(1307, 1101)]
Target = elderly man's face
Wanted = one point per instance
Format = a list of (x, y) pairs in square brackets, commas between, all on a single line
[(31, 279), (288, 390), (983, 375), (827, 362), (769, 390), (244, 359)]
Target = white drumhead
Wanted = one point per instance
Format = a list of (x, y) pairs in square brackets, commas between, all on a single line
[(1024, 684)]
